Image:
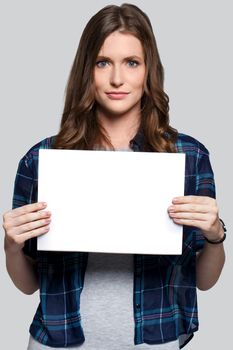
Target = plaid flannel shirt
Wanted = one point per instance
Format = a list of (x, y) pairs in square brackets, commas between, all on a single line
[(164, 295)]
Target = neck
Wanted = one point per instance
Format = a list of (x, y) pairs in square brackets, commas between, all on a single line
[(120, 129)]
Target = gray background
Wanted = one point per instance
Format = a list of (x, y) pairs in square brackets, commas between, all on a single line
[(38, 43)]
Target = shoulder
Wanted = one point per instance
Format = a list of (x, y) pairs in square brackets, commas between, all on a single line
[(30, 159), (189, 145), (33, 152)]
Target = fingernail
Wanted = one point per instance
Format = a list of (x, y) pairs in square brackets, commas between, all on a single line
[(175, 199), (171, 208)]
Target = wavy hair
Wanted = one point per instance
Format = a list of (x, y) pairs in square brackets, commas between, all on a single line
[(79, 128)]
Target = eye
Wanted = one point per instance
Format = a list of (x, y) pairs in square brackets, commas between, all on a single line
[(133, 63), (101, 64)]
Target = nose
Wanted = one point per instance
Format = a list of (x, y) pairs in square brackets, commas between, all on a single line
[(116, 78)]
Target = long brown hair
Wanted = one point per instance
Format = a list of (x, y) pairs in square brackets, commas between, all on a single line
[(79, 127)]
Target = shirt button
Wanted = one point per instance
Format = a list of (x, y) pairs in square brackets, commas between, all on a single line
[(138, 306)]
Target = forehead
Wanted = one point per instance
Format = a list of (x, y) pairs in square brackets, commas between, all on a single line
[(121, 44)]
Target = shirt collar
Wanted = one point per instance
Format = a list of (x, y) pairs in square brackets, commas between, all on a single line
[(136, 142)]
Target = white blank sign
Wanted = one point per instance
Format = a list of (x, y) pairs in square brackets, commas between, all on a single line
[(110, 201)]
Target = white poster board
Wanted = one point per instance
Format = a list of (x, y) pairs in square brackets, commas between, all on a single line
[(108, 201)]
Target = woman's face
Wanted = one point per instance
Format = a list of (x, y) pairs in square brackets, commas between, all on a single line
[(119, 75)]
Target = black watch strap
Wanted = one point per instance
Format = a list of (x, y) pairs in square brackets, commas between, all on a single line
[(224, 236)]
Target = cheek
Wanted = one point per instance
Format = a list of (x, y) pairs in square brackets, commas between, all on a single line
[(98, 81), (99, 88), (137, 80)]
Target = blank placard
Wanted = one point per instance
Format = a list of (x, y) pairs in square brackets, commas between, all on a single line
[(110, 202)]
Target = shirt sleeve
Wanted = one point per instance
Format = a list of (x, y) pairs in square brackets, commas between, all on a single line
[(205, 186), (25, 193)]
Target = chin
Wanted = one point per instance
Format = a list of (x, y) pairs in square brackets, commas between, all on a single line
[(117, 113)]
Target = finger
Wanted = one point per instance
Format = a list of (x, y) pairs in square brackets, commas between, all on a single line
[(192, 199), (189, 216), (27, 218), (187, 222), (31, 234), (30, 226), (28, 208), (193, 208)]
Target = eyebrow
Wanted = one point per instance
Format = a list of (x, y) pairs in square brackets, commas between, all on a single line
[(125, 58)]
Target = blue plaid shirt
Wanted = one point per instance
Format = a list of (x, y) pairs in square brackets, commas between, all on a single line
[(164, 296)]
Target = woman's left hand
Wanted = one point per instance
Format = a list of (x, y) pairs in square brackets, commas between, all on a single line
[(197, 211)]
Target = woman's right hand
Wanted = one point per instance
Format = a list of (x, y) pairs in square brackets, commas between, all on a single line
[(23, 223)]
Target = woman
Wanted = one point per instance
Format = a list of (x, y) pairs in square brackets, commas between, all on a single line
[(115, 101)]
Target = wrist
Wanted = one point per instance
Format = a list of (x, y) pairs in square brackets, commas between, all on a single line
[(12, 247), (221, 235)]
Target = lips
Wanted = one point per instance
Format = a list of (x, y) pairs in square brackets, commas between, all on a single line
[(116, 95), (116, 92)]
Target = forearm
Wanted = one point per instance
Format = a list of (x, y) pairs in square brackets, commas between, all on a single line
[(210, 261), (21, 270)]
